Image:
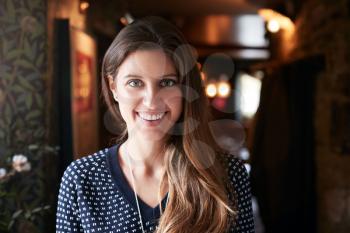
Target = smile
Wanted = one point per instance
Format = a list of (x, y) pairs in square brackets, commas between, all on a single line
[(151, 117)]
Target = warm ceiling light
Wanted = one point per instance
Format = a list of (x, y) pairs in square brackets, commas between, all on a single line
[(273, 26), (211, 90), (224, 89), (283, 21), (83, 6)]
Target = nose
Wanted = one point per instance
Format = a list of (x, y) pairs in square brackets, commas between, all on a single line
[(151, 97)]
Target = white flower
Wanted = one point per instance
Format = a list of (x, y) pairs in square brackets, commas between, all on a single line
[(20, 163), (19, 159), (2, 173)]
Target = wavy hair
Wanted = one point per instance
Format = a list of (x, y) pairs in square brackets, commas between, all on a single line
[(195, 171)]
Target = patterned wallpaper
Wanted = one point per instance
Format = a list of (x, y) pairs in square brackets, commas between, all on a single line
[(23, 95), (22, 72)]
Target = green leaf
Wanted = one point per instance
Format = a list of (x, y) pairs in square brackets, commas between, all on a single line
[(16, 214), (37, 31), (15, 53), (11, 28), (28, 49), (2, 124), (26, 64), (29, 101), (7, 75), (21, 98), (34, 4), (42, 45), (40, 132), (8, 113), (10, 9), (39, 100), (32, 114), (17, 88), (10, 225), (23, 11), (39, 209), (24, 82), (4, 46), (4, 21), (33, 147), (2, 134), (40, 60), (27, 214)]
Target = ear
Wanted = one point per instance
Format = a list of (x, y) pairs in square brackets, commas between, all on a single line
[(112, 87)]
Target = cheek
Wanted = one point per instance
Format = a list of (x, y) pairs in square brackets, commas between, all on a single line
[(174, 101), (127, 97), (125, 110)]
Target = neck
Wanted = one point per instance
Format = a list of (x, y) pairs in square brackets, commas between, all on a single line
[(146, 156)]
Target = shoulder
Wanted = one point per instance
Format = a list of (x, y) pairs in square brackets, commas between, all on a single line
[(236, 171), (240, 195), (83, 167), (234, 165)]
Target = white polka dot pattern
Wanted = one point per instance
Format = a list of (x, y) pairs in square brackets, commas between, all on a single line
[(90, 202), (240, 180)]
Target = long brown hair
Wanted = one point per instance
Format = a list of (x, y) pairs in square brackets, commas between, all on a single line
[(195, 171)]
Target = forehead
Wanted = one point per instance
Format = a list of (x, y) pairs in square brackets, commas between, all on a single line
[(147, 63)]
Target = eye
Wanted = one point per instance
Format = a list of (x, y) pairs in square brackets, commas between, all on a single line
[(135, 83), (168, 82)]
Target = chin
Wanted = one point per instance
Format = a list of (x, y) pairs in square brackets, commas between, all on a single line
[(153, 136)]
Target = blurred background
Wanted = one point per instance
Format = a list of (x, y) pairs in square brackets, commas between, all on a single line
[(276, 73)]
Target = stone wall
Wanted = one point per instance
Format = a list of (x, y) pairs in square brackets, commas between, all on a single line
[(323, 27)]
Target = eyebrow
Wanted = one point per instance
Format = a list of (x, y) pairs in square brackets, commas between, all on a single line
[(139, 76)]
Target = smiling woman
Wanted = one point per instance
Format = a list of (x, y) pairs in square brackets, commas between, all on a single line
[(149, 95), (165, 173)]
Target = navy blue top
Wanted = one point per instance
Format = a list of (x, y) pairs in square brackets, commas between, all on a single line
[(95, 197), (148, 213)]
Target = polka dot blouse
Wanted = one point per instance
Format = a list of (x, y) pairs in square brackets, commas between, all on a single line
[(95, 196)]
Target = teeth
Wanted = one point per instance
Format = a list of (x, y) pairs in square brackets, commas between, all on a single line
[(151, 117)]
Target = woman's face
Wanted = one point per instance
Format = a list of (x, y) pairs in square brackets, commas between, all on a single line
[(149, 95)]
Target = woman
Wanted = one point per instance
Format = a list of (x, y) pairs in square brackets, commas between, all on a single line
[(165, 174)]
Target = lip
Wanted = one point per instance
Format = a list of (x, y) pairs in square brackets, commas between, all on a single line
[(151, 123), (151, 112)]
